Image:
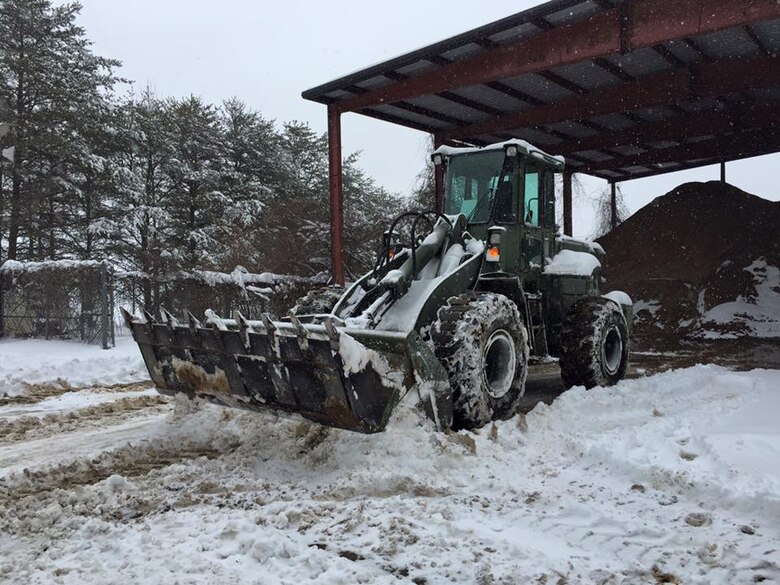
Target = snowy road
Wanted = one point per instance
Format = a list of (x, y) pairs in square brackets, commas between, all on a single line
[(669, 478)]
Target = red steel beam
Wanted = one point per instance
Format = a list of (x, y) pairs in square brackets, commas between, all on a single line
[(678, 128), (710, 80), (637, 25), (336, 196), (691, 165), (438, 181), (717, 149)]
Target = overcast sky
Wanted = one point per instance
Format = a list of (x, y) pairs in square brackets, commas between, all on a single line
[(266, 53)]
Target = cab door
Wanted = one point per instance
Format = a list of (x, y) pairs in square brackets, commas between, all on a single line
[(538, 218)]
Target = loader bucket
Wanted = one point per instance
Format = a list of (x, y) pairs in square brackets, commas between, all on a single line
[(343, 378)]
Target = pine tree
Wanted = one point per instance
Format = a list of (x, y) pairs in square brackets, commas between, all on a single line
[(195, 170), (138, 225), (53, 85), (251, 177)]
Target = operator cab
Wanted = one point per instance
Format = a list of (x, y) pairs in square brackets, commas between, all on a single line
[(510, 185)]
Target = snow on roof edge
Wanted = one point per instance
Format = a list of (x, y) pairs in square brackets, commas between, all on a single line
[(519, 142)]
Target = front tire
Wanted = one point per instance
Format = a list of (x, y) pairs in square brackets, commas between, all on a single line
[(481, 341), (594, 344)]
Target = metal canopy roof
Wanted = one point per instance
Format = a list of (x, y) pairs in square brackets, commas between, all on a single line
[(622, 88)]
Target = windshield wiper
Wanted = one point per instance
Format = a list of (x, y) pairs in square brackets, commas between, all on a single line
[(480, 202)]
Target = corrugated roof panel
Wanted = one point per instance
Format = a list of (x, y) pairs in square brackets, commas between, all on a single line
[(654, 114), (338, 94), (514, 34), (462, 52), (572, 13), (731, 43), (572, 128), (538, 87), (594, 155), (609, 174), (658, 144), (416, 68), (766, 94), (640, 62), (492, 98), (449, 108), (683, 51), (374, 82), (612, 121), (701, 105), (769, 33), (628, 150), (411, 116), (534, 136), (587, 75)]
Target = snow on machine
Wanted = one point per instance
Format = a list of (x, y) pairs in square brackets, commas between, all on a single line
[(455, 307)]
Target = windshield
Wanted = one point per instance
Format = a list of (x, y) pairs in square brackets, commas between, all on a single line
[(472, 181)]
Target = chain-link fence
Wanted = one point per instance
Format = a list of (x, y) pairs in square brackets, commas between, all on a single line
[(57, 300), (80, 300)]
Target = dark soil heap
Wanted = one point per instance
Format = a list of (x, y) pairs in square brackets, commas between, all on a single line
[(688, 250)]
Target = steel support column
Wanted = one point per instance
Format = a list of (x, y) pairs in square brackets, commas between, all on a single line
[(336, 196), (567, 215), (438, 178), (723, 172), (613, 219)]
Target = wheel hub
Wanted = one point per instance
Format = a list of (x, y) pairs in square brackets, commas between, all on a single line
[(612, 350), (499, 363)]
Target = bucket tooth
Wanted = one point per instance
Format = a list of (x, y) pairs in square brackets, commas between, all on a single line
[(193, 321), (270, 328), (126, 316), (243, 324), (300, 332), (168, 318), (333, 335), (244, 327), (215, 320)]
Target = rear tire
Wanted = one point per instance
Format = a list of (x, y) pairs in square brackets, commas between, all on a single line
[(594, 344), (481, 341), (318, 301)]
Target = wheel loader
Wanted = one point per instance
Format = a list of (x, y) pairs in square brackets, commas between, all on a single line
[(458, 303)]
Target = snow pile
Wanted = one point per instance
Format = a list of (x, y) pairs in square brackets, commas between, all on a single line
[(671, 478), (704, 260), (68, 364), (757, 315)]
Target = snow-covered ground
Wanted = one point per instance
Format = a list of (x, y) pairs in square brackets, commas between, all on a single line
[(669, 478), (31, 361)]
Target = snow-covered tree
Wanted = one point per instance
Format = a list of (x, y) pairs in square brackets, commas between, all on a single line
[(54, 86), (251, 176)]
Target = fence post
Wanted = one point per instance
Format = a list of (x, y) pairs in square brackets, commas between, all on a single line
[(112, 309), (104, 305), (2, 307)]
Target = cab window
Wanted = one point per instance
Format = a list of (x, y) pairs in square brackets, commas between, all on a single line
[(473, 184), (532, 191)]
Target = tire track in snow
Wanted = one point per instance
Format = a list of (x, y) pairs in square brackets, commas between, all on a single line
[(27, 427)]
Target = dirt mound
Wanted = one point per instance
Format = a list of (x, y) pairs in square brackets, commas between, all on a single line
[(700, 262)]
